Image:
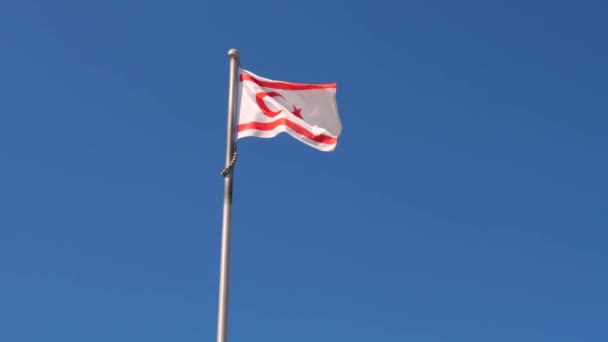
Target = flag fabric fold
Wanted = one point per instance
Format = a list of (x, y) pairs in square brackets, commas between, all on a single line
[(307, 112)]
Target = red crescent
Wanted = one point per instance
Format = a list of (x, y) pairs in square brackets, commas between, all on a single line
[(259, 98)]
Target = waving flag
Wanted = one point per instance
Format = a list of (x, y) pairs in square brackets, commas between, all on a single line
[(264, 108), (307, 112)]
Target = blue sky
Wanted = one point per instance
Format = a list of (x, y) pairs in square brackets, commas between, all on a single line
[(466, 200)]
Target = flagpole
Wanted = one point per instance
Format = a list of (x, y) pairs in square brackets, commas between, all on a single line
[(222, 312)]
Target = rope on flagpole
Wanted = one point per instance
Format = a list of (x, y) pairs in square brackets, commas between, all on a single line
[(230, 166)]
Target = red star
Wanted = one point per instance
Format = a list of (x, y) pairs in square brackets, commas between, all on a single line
[(297, 112)]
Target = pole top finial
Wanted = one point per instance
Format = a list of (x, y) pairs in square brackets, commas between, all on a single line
[(234, 53)]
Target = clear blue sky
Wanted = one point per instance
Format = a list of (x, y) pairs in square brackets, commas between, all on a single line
[(467, 199)]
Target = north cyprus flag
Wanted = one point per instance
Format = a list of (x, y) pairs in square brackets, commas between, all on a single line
[(307, 112)]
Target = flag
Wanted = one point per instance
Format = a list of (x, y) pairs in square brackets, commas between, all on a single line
[(307, 112)]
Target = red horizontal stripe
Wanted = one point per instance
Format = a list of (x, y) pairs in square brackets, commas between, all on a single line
[(286, 85), (269, 126)]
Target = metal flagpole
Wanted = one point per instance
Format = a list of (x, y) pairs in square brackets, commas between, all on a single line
[(222, 312)]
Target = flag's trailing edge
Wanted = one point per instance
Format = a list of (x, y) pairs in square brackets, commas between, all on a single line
[(307, 112)]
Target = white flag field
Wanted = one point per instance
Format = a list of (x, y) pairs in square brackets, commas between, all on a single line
[(307, 112)]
